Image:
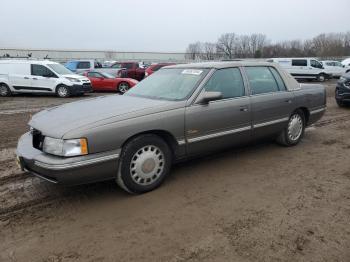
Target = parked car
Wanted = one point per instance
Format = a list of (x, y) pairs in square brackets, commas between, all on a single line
[(346, 64), (132, 70), (342, 90), (81, 66), (180, 112), (46, 77), (105, 82), (334, 68), (303, 68), (153, 68)]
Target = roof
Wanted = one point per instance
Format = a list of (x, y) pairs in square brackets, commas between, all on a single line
[(40, 62), (219, 65)]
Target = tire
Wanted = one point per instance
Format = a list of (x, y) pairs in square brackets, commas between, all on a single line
[(294, 131), (123, 87), (62, 91), (144, 163), (321, 77), (340, 103), (5, 90)]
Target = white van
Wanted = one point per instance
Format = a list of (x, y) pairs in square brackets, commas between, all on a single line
[(335, 68), (31, 76), (303, 68)]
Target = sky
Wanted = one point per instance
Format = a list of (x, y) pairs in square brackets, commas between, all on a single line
[(161, 25)]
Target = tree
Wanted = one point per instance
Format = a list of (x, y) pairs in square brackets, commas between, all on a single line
[(194, 51), (226, 45)]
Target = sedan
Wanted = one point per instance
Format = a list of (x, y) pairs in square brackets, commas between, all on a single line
[(102, 81), (179, 112)]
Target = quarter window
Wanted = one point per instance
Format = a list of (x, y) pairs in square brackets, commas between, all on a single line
[(40, 70), (299, 62), (279, 80), (261, 80), (228, 81)]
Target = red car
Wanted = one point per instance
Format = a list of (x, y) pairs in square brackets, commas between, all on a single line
[(131, 69), (101, 81), (153, 68)]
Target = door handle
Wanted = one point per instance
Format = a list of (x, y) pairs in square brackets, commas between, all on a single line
[(243, 109), (26, 77), (288, 101), (35, 78)]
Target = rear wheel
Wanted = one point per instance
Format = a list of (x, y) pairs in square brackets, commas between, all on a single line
[(144, 163), (321, 77), (123, 87), (5, 90), (62, 91), (294, 131)]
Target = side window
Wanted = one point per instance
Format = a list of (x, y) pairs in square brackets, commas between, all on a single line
[(299, 62), (228, 81), (40, 70), (261, 80), (83, 65), (279, 80), (315, 64)]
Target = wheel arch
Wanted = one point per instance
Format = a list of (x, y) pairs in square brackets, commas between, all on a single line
[(306, 113), (165, 135)]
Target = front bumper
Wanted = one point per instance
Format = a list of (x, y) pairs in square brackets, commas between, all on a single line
[(66, 170), (342, 93), (80, 89)]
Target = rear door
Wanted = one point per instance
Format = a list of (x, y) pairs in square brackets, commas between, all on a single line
[(19, 76), (221, 123), (43, 79), (272, 103)]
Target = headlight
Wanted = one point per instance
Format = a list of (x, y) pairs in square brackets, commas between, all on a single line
[(342, 79), (71, 147), (347, 84), (74, 80)]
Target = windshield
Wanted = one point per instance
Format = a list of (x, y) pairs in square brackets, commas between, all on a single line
[(107, 75), (60, 69), (169, 84)]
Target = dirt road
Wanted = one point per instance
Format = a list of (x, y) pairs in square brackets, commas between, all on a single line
[(259, 203)]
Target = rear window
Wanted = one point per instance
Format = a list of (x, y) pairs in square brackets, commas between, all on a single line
[(299, 62)]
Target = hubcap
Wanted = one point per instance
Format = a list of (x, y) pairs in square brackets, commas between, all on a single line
[(147, 165), (3, 90), (321, 78), (123, 87), (295, 127), (62, 91)]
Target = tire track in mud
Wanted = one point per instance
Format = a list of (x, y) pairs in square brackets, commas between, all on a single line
[(31, 192)]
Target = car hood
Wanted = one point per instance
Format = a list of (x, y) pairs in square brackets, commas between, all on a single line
[(57, 121)]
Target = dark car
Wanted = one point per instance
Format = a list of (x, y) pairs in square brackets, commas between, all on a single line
[(154, 68), (342, 90)]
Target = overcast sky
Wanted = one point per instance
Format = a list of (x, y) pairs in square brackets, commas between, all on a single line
[(161, 25)]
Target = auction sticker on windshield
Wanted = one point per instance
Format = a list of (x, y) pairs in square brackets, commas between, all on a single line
[(192, 72)]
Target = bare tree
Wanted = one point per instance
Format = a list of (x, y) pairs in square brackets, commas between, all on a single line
[(209, 51), (194, 51), (226, 45)]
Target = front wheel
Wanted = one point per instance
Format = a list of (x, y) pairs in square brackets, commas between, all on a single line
[(294, 131), (123, 87), (62, 91), (144, 163)]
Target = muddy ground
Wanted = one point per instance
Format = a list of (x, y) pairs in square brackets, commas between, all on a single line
[(258, 203)]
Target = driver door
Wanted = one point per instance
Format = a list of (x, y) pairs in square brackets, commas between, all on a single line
[(221, 123)]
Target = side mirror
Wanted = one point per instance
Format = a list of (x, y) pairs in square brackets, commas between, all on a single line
[(208, 96)]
